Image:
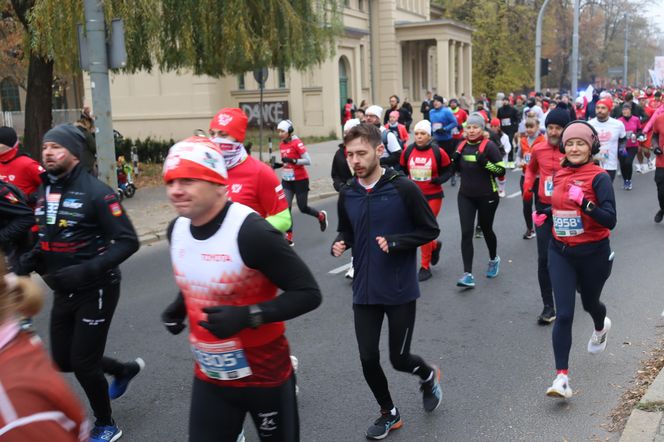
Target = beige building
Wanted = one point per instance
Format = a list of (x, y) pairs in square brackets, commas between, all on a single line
[(400, 47)]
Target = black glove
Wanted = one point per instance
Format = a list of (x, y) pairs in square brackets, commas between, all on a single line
[(289, 160), (70, 278), (225, 321), (174, 315), (481, 159), (456, 156), (657, 151), (437, 180), (29, 262)]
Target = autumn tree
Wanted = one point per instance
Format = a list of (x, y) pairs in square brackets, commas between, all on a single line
[(211, 37)]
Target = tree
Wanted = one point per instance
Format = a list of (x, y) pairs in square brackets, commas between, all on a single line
[(211, 37)]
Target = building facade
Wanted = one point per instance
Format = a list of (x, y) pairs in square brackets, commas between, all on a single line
[(400, 47)]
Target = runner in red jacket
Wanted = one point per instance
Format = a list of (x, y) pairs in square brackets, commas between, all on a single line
[(16, 168)]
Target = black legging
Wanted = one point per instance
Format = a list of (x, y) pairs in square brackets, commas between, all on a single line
[(368, 323), (217, 413), (528, 205), (544, 235), (584, 268), (78, 331), (485, 208), (659, 181), (299, 189), (626, 162)]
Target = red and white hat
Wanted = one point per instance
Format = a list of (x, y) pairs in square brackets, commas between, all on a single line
[(195, 158), (232, 121)]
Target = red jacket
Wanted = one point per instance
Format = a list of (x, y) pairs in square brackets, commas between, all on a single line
[(544, 163), (402, 132), (571, 225), (461, 117), (255, 184), (526, 150), (21, 171), (294, 148)]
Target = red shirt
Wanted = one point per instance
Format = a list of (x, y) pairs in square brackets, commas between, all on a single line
[(658, 128), (461, 117), (255, 184), (544, 162), (422, 168), (293, 148), (527, 149), (21, 171)]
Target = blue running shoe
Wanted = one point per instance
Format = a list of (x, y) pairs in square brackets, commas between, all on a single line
[(105, 433), (120, 383), (384, 424), (494, 268), (467, 280), (432, 395)]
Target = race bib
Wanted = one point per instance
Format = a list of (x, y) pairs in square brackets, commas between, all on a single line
[(52, 205), (222, 360), (436, 126), (505, 122), (288, 174), (604, 154), (420, 173), (548, 186), (567, 223), (526, 158)]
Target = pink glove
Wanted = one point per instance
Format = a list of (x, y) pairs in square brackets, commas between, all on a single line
[(575, 194), (539, 218)]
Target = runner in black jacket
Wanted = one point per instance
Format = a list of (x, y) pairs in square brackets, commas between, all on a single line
[(15, 221), (84, 234)]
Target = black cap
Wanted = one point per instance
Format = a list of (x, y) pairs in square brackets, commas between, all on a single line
[(67, 136), (8, 136), (558, 116)]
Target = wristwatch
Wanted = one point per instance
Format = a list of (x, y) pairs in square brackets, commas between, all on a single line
[(590, 206), (255, 316)]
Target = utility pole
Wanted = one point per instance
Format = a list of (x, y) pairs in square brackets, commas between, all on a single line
[(625, 59), (575, 50), (95, 29), (538, 47)]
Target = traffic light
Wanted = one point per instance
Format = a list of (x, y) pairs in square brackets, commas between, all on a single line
[(545, 66)]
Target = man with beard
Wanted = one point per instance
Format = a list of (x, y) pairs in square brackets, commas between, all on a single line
[(612, 136)]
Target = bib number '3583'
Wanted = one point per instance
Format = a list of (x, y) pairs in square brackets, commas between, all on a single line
[(222, 360)]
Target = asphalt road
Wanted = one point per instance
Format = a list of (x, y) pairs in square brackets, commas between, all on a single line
[(496, 361)]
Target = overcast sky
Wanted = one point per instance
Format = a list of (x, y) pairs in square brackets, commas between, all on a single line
[(656, 11)]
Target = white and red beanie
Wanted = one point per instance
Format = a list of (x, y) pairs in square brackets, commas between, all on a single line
[(195, 158), (232, 121)]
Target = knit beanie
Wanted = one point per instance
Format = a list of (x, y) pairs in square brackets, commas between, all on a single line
[(558, 116), (232, 121), (8, 136), (438, 98), (477, 119), (606, 102), (578, 130), (67, 136), (374, 110), (424, 126), (349, 124), (195, 158)]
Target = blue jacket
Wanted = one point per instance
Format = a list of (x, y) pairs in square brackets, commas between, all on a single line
[(442, 123), (397, 210)]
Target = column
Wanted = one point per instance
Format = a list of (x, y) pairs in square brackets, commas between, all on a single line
[(442, 60), (468, 69), (459, 66), (451, 70)]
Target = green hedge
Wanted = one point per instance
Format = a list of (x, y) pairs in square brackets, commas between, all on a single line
[(149, 150)]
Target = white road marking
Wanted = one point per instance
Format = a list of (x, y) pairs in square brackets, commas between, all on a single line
[(513, 195), (343, 268)]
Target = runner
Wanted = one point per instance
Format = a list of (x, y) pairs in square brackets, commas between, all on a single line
[(544, 164), (237, 335), (384, 217), (18, 169), (523, 156), (16, 220), (36, 402), (84, 235), (444, 125), (392, 152), (427, 165), (479, 162), (657, 141), (397, 128), (457, 133), (583, 210), (294, 176), (505, 147), (626, 155), (612, 135)]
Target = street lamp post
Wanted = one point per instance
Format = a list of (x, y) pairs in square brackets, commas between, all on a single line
[(575, 51), (538, 47)]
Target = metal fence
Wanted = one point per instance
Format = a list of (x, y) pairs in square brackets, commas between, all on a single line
[(17, 119)]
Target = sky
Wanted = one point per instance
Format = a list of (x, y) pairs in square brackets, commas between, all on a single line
[(656, 11)]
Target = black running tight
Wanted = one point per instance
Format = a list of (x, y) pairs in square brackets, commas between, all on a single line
[(627, 162), (485, 208)]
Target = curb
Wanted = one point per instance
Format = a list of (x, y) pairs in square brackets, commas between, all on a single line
[(645, 420), (152, 237)]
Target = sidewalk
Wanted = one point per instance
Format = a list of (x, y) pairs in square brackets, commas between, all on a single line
[(646, 422), (150, 211)]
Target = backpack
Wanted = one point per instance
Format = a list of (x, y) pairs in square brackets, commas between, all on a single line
[(481, 149), (383, 135), (436, 154)]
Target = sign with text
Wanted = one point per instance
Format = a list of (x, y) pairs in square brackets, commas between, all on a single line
[(273, 112)]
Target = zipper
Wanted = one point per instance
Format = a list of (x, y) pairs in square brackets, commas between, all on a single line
[(366, 279), (101, 298)]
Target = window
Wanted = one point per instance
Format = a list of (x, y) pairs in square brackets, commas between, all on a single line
[(9, 96), (360, 5), (240, 82), (282, 78), (347, 3)]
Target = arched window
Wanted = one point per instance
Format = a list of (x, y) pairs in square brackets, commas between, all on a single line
[(9, 97), (344, 80)]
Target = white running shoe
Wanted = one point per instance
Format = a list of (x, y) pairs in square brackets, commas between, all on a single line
[(501, 193), (350, 274), (639, 168), (651, 163), (597, 342), (560, 388), (294, 362)]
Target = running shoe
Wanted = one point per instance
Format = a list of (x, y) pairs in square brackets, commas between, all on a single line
[(289, 238), (322, 220), (240, 437), (432, 395), (453, 181), (384, 424), (494, 267), (530, 234), (435, 254), (478, 232), (560, 388), (659, 216), (639, 168), (350, 274), (105, 433), (120, 383), (629, 185), (651, 164), (295, 363), (501, 193), (597, 342), (424, 274), (547, 316), (467, 280)]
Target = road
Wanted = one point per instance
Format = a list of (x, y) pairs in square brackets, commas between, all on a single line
[(497, 362)]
